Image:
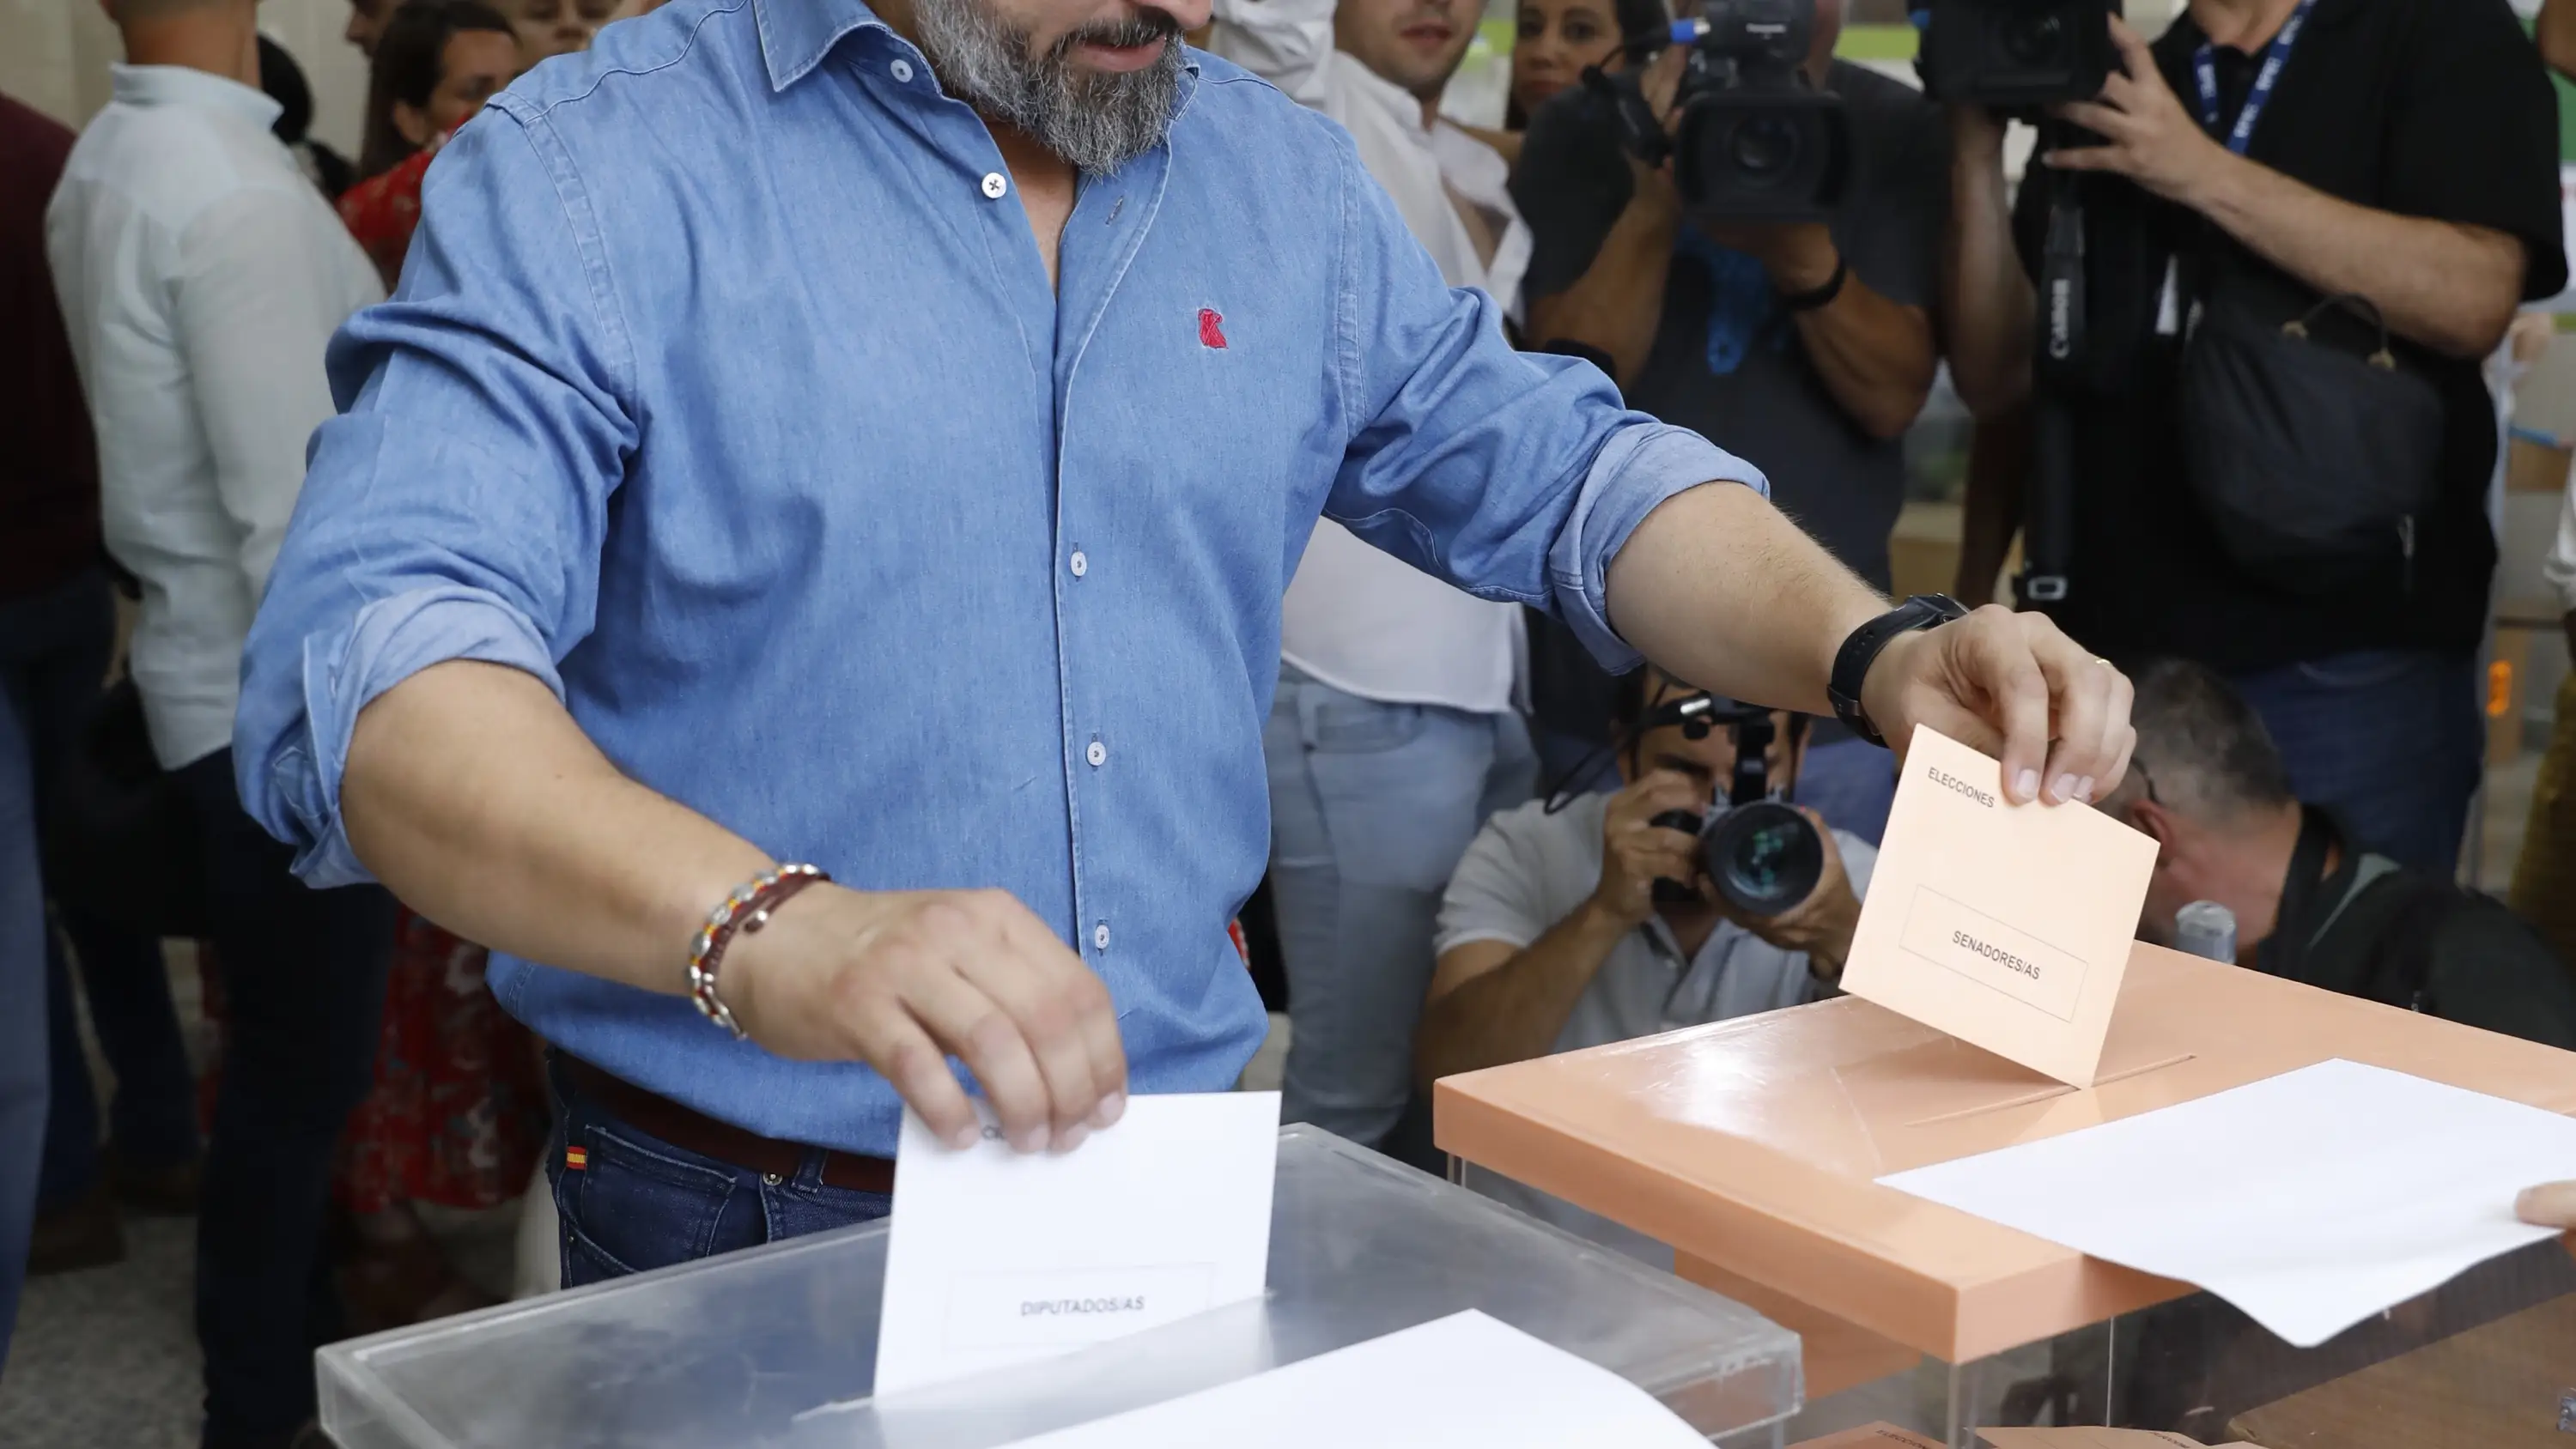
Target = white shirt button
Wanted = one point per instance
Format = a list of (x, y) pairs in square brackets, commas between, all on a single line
[(901, 70), (1100, 937), (994, 185), (1098, 754), (1079, 564)]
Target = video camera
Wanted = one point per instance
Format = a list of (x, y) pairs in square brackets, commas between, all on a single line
[(1760, 853), (1756, 142), (2015, 55)]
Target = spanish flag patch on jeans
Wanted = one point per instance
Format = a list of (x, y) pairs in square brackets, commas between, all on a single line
[(576, 1158)]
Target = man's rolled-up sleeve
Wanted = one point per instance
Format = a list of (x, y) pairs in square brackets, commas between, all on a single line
[(456, 507), (1516, 476)]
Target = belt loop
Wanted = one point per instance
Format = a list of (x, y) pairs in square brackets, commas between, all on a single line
[(809, 1173)]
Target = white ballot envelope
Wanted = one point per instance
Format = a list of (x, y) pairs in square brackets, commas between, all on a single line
[(1464, 1379), (2007, 926), (2343, 1189), (995, 1257)]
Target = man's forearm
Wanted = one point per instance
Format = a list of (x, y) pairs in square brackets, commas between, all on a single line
[(2556, 32), (1987, 304), (1514, 1012), (1618, 303), (2452, 288), (1998, 467), (473, 796), (1875, 356), (1722, 590)]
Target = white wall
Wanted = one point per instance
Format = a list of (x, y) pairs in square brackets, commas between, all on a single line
[(54, 55)]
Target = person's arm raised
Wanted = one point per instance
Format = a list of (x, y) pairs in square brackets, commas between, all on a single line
[(1989, 310), (2450, 286)]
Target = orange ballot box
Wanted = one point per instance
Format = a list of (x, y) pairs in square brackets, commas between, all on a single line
[(1753, 1146)]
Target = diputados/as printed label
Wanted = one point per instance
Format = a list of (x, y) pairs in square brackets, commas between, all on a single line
[(1985, 950), (1083, 1305)]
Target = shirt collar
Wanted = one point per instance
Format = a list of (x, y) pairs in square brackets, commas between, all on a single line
[(180, 85), (1401, 105), (795, 35)]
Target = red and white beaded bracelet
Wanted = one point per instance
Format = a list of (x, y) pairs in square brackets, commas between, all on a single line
[(746, 909)]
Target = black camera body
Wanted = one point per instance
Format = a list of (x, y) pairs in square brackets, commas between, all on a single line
[(1761, 854), (1755, 142), (2016, 55)]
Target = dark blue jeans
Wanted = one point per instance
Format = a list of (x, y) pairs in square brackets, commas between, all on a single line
[(152, 1120), (2392, 740), (639, 1203), (52, 654), (304, 984)]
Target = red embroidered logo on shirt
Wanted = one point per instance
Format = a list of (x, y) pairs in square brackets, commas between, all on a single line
[(1211, 330)]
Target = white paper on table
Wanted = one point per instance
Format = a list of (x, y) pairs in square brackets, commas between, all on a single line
[(1464, 1379), (2309, 1200), (996, 1257)]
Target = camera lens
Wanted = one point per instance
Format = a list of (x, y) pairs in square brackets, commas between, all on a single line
[(1765, 147), (2033, 38), (1765, 857)]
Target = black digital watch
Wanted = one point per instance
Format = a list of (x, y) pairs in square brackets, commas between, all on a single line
[(1861, 650)]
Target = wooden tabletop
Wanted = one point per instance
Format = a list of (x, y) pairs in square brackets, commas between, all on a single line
[(1753, 1145)]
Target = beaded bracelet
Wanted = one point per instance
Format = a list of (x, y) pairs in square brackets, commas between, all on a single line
[(746, 909)]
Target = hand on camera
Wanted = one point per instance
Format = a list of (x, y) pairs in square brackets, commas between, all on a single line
[(1822, 924), (1636, 853), (2148, 136), (1800, 256), (2014, 686), (902, 980)]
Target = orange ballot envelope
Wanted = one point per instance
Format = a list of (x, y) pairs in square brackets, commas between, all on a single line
[(2007, 926)]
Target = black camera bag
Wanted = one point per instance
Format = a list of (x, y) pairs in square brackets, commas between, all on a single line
[(2312, 463)]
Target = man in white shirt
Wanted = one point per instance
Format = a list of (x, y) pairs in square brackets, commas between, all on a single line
[(1394, 734), (201, 277)]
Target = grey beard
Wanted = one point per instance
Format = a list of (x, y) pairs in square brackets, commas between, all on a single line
[(1098, 122)]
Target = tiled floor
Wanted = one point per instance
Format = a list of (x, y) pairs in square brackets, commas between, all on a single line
[(106, 1360)]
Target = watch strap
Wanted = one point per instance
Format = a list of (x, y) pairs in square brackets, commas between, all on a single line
[(1822, 297), (1861, 650)]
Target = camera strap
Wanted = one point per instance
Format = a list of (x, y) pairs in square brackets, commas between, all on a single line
[(2204, 68)]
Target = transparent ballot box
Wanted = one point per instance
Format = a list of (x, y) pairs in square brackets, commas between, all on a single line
[(776, 1346)]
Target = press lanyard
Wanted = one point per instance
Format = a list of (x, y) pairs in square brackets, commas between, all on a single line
[(2204, 64)]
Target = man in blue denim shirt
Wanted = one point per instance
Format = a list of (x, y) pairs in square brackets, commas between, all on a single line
[(881, 439)]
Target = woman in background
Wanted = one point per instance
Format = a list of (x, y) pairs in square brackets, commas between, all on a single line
[(436, 63), (1559, 39), (457, 1116), (560, 27)]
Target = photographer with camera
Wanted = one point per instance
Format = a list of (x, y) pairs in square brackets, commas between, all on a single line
[(1598, 921), (2258, 431), (1804, 338)]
